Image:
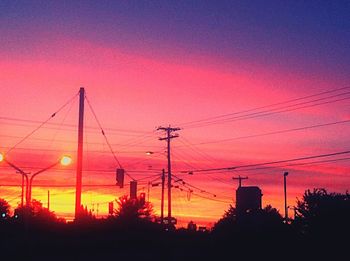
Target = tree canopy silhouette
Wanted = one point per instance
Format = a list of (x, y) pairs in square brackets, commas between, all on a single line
[(4, 209), (255, 221), (320, 212), (35, 212), (226, 224), (133, 209)]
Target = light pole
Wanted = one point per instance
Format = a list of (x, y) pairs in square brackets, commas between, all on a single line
[(24, 175), (65, 161), (285, 174)]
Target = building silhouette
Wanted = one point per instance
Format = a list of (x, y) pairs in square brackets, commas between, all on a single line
[(248, 199)]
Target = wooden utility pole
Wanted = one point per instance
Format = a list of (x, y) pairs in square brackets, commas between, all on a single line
[(80, 153), (48, 200), (22, 194), (285, 174), (239, 180), (168, 137), (162, 200)]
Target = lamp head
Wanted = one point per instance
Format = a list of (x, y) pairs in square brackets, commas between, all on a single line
[(66, 160), (2, 157)]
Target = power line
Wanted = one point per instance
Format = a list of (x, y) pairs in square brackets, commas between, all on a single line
[(42, 123), (62, 186), (143, 160), (268, 113), (297, 164), (105, 137), (212, 199), (204, 197), (184, 183), (156, 175), (199, 152), (85, 170), (206, 156), (60, 126), (177, 159), (91, 143), (71, 126), (217, 141), (73, 151), (273, 132), (102, 131), (266, 106), (216, 179), (191, 166), (269, 163)]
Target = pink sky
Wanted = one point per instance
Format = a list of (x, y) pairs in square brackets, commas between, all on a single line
[(135, 92)]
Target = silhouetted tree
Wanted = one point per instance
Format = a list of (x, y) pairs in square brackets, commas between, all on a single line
[(320, 212), (256, 221), (191, 226), (4, 209), (85, 216), (227, 223), (230, 213), (35, 212), (133, 209), (272, 214), (263, 220)]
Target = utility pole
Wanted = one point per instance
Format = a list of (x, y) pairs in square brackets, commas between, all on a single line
[(22, 194), (48, 200), (168, 137), (239, 180), (80, 153), (285, 174), (162, 200), (24, 175)]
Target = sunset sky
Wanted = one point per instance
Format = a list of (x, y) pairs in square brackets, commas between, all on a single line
[(188, 64)]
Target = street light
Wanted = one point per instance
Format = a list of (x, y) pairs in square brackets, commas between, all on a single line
[(24, 175), (65, 161)]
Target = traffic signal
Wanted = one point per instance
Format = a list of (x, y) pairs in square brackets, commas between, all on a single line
[(133, 189), (120, 178), (142, 198), (110, 208)]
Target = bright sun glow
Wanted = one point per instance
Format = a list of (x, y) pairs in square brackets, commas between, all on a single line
[(66, 160), (1, 157)]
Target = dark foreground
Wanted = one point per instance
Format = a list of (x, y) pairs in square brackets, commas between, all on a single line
[(108, 241)]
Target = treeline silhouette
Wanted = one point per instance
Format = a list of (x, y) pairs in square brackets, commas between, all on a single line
[(320, 228)]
